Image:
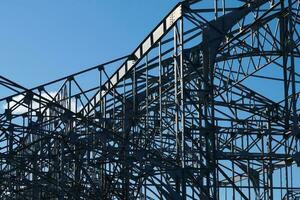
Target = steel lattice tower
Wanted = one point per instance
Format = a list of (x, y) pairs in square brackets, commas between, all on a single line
[(206, 107)]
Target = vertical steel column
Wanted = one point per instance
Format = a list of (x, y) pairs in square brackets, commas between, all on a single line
[(160, 74), (147, 114), (291, 46), (160, 94), (77, 155), (102, 166), (270, 163), (147, 97), (283, 43), (263, 166), (216, 8), (125, 146), (208, 78), (176, 123), (182, 107), (9, 148)]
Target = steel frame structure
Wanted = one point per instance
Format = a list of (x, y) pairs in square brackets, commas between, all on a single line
[(206, 107)]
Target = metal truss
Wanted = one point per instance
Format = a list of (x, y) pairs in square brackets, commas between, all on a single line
[(206, 107)]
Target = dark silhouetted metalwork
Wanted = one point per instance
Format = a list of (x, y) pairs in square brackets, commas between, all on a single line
[(206, 107)]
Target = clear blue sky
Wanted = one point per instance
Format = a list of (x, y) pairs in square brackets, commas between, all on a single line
[(45, 40)]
